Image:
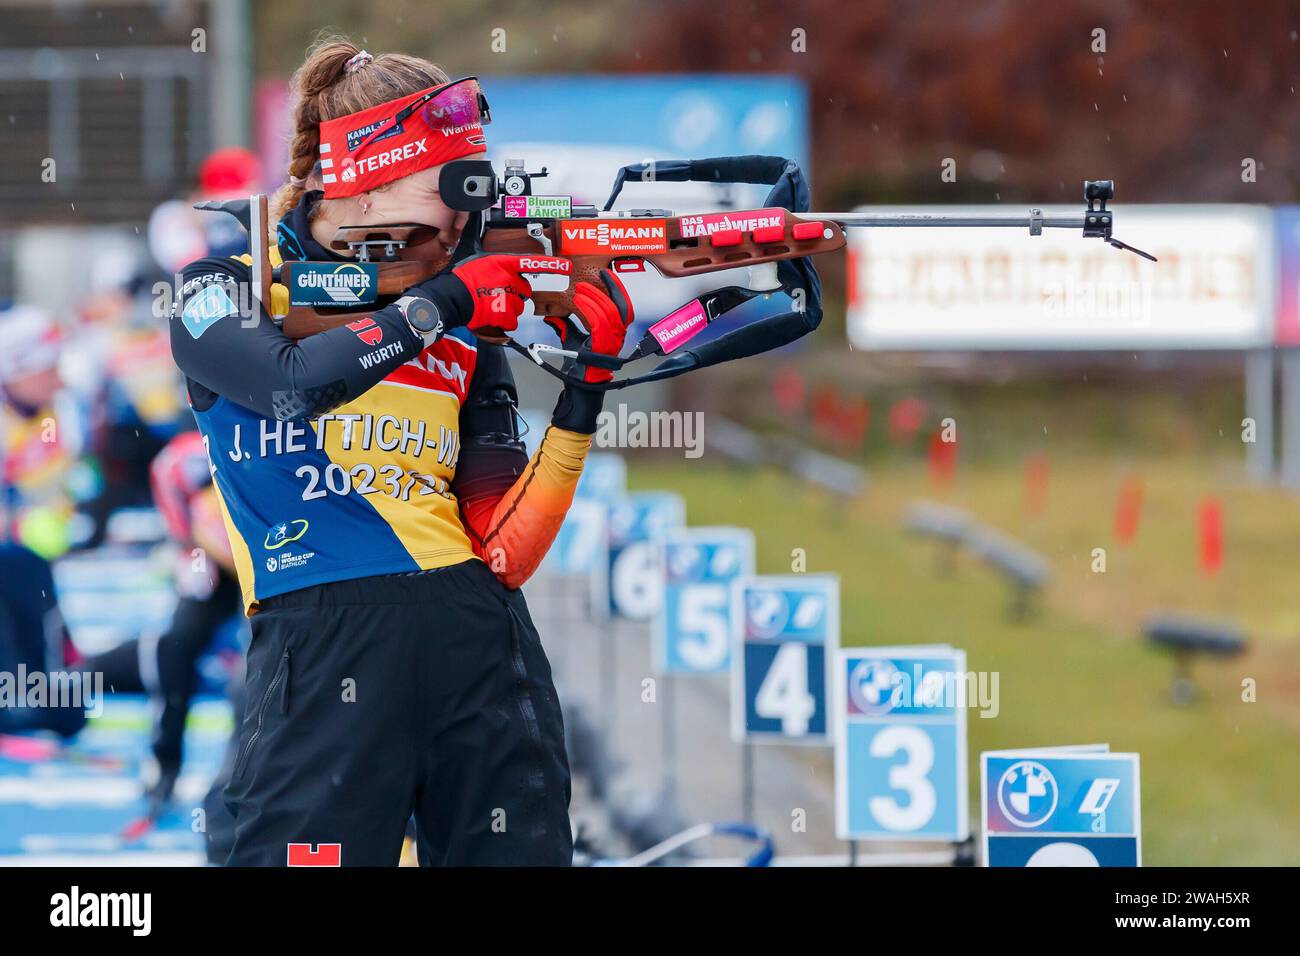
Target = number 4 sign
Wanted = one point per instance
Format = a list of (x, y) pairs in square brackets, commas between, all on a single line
[(692, 629), (785, 630)]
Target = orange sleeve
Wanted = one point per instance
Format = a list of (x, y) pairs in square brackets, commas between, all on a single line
[(513, 532)]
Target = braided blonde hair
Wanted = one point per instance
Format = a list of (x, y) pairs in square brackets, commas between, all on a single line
[(336, 79)]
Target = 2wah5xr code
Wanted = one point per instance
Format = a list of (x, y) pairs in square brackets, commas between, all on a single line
[(1168, 898)]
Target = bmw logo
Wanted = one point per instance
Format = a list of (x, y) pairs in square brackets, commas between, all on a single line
[(871, 686), (766, 613), (682, 561), (1027, 794)]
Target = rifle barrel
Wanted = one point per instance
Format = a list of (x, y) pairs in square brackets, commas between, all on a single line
[(876, 220)]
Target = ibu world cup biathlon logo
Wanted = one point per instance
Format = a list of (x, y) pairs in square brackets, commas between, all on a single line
[(871, 686), (284, 533), (1027, 794)]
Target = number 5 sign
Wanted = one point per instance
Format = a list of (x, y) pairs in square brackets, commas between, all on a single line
[(785, 630), (900, 744), (692, 629)]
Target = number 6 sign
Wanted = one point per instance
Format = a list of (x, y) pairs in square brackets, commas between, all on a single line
[(785, 630), (625, 582)]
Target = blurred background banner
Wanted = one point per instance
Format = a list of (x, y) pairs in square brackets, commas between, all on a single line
[(1215, 286)]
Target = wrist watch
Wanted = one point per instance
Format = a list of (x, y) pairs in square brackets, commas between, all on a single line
[(423, 316)]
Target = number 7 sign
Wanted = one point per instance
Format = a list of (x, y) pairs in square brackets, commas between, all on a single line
[(785, 631)]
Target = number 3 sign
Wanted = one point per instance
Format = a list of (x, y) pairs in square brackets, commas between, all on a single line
[(900, 744)]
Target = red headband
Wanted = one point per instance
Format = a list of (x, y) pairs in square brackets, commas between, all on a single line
[(354, 159)]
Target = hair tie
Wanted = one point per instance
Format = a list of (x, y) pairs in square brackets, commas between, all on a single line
[(297, 181), (357, 62)]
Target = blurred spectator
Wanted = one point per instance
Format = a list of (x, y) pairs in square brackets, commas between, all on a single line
[(179, 233), (42, 434)]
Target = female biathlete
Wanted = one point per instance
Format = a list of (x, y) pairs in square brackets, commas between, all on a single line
[(382, 511)]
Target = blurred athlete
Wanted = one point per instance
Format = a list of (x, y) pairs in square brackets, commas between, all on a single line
[(42, 434), (39, 443), (167, 667), (33, 639), (121, 352), (381, 508)]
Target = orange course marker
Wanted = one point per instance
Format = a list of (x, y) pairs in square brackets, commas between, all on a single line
[(943, 459), (1037, 473), (1128, 510), (1211, 535)]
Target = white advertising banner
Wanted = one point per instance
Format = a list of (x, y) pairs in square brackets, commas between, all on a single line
[(939, 287)]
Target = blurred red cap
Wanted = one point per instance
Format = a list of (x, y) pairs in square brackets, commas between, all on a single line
[(230, 170)]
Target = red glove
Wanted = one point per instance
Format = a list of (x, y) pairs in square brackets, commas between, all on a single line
[(498, 289), (606, 313)]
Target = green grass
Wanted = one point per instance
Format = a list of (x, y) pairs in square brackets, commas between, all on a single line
[(1218, 779)]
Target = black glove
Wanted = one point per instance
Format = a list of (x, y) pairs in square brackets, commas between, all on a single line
[(578, 409)]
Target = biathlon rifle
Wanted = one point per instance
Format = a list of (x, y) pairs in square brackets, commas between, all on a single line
[(506, 216)]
